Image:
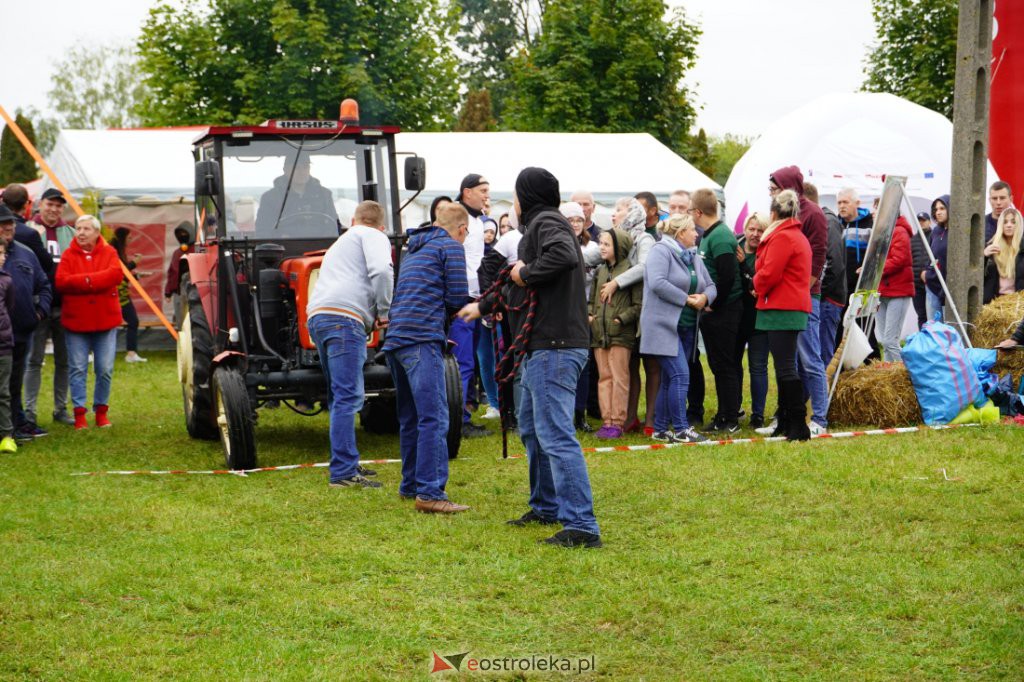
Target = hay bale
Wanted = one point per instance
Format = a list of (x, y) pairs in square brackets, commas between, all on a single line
[(997, 321), (879, 394)]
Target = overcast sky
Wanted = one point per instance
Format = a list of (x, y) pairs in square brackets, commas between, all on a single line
[(757, 60)]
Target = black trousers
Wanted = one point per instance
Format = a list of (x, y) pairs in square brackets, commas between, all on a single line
[(720, 329), (695, 393), (20, 358), (782, 345)]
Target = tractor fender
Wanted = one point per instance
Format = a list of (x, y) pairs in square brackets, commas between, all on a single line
[(229, 358), (201, 267)]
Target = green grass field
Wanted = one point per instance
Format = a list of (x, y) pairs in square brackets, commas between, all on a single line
[(847, 559)]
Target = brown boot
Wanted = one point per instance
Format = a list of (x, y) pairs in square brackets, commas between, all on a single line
[(439, 506)]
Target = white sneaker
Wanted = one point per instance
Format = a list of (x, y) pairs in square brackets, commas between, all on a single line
[(134, 357), (491, 413), (816, 429), (769, 429)]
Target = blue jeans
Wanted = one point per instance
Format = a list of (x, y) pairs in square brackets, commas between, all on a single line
[(485, 359), (341, 342), (933, 306), (418, 371), (559, 484), (464, 335), (812, 371), (831, 314), (103, 346), (757, 360), (670, 408)]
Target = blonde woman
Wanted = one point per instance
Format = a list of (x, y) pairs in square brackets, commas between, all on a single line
[(87, 277), (676, 286), (1004, 260)]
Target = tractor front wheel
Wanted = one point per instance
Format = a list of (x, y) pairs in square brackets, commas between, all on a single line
[(235, 418)]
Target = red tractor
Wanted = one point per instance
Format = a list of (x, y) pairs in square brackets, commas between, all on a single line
[(270, 199)]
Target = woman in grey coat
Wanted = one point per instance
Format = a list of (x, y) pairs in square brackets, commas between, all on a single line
[(674, 278)]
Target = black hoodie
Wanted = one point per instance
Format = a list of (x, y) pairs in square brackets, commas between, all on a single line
[(554, 268)]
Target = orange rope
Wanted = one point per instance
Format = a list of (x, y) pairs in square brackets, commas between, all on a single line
[(77, 208)]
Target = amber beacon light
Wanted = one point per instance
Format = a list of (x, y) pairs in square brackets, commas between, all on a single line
[(349, 113)]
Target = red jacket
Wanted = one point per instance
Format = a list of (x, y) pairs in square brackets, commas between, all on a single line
[(782, 272), (898, 273), (88, 282)]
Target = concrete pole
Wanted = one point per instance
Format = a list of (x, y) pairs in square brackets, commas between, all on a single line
[(965, 262)]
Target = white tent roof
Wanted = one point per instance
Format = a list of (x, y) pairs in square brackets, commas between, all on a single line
[(126, 163), (850, 140), (608, 164), (158, 162)]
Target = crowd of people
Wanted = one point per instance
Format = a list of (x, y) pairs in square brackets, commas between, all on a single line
[(551, 315), (61, 287), (574, 311)]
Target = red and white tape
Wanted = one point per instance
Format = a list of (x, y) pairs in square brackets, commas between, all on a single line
[(612, 448), (737, 441), (234, 472)]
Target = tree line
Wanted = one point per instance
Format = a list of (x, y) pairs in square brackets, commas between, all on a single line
[(439, 65)]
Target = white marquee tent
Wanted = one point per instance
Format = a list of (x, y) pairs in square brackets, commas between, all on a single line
[(145, 176), (850, 140), (157, 163)]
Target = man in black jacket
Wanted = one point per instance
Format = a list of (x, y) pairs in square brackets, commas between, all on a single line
[(550, 268)]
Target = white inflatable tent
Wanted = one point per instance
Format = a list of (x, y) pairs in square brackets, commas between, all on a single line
[(850, 140)]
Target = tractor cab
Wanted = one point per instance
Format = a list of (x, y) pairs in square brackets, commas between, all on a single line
[(270, 199)]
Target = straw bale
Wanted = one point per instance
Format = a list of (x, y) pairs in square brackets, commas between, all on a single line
[(997, 321), (879, 394)]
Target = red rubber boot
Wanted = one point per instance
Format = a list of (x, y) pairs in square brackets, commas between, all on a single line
[(80, 422), (101, 417)]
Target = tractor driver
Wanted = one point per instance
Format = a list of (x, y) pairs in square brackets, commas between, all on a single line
[(298, 205)]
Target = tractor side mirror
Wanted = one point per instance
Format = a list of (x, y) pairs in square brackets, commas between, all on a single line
[(415, 173), (207, 179)]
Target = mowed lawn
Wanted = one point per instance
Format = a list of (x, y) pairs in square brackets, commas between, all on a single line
[(846, 559)]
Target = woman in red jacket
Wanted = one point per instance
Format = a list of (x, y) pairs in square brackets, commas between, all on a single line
[(87, 277), (896, 290), (782, 286)]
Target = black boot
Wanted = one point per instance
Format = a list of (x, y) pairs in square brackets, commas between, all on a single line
[(582, 424), (796, 411)]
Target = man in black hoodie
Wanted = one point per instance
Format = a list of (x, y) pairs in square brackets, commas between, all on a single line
[(556, 339)]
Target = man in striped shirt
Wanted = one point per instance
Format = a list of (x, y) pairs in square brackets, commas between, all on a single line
[(432, 287)]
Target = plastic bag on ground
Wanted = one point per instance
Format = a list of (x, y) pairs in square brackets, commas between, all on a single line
[(944, 377)]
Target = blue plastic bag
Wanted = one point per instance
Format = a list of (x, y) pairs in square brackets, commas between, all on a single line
[(983, 359), (944, 377)]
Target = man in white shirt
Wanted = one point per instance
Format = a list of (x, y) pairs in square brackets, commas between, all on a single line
[(474, 193), (352, 296)]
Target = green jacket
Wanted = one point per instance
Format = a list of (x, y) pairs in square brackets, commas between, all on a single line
[(615, 323)]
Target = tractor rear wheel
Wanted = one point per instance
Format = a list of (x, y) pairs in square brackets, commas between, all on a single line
[(195, 357), (453, 390), (236, 423)]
